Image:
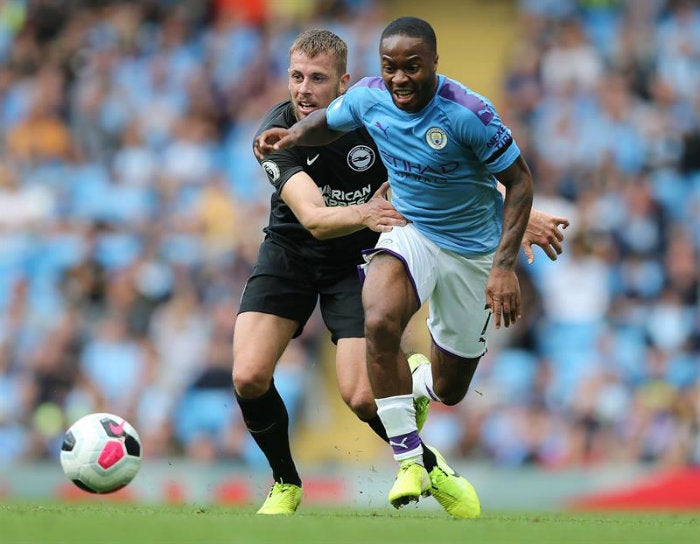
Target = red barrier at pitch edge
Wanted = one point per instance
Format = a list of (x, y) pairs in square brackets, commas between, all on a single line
[(677, 490)]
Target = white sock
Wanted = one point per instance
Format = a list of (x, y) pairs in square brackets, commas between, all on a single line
[(423, 383), (398, 416)]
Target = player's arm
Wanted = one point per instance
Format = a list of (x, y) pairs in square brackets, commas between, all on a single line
[(502, 288), (542, 230), (312, 130), (306, 201)]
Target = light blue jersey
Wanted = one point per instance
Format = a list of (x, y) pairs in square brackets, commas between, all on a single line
[(452, 147)]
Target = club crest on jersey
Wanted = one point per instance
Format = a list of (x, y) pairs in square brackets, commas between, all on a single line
[(272, 170), (436, 138), (360, 158)]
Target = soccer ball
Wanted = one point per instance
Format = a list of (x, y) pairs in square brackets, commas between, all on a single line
[(101, 453)]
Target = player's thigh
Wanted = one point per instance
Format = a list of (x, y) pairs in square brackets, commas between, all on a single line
[(259, 340), (458, 317), (272, 311), (281, 287), (399, 274), (340, 302)]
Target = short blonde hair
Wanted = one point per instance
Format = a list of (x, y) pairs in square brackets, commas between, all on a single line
[(314, 42)]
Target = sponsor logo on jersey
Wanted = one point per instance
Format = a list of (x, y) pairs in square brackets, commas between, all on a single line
[(436, 138), (311, 160), (429, 173), (272, 170), (360, 158), (337, 197), (498, 139)]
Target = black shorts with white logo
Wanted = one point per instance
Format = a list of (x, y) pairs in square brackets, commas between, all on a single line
[(288, 286)]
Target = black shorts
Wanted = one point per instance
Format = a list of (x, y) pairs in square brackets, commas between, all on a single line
[(287, 286)]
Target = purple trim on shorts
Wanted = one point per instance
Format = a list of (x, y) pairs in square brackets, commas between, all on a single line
[(371, 83), (404, 443), (455, 93), (367, 252), (361, 273), (448, 352)]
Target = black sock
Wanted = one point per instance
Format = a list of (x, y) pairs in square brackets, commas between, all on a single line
[(378, 427), (268, 422), (429, 459)]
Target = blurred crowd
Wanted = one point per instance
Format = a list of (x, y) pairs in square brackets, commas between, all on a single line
[(131, 209), (603, 97)]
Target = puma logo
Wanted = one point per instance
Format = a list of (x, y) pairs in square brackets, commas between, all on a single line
[(384, 130), (401, 444), (310, 161)]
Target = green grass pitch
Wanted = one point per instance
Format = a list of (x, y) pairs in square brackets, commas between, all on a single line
[(108, 522)]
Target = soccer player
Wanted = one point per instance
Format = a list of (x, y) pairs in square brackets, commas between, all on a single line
[(446, 150)]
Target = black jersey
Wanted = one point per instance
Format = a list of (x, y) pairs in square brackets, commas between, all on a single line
[(348, 171)]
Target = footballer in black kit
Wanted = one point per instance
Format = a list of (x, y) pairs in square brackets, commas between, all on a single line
[(293, 268)]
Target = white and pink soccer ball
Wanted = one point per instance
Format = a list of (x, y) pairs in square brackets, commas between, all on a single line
[(101, 453)]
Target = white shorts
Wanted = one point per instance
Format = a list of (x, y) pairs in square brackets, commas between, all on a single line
[(454, 286)]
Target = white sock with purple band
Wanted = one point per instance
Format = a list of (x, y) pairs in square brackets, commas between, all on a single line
[(398, 416), (423, 383)]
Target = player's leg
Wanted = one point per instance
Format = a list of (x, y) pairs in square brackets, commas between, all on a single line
[(390, 301), (341, 309), (353, 383), (452, 491), (258, 342), (396, 282), (355, 390), (458, 325), (273, 310)]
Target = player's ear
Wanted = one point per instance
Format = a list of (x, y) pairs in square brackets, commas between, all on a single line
[(344, 80)]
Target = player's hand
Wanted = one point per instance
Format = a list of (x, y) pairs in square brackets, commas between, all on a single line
[(380, 214), (503, 297), (270, 140), (543, 230)]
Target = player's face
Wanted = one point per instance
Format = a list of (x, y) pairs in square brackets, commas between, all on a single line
[(314, 82), (409, 71)]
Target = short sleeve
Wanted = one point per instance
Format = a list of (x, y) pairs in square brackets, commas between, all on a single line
[(279, 167), (343, 113), (490, 140)]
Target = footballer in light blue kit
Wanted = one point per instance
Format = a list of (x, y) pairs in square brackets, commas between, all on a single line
[(445, 149), (448, 155)]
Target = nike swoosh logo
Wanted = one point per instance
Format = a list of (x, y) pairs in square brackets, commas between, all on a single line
[(118, 430), (310, 161)]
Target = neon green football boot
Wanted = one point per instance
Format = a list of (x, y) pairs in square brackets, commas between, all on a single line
[(454, 492), (421, 405), (283, 499), (411, 482)]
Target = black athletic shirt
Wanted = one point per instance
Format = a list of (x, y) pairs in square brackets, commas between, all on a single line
[(347, 171)]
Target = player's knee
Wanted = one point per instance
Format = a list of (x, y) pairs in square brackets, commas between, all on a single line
[(380, 324), (363, 407), (250, 382)]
